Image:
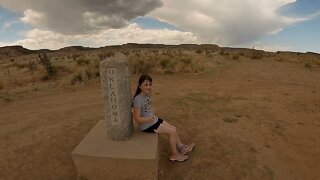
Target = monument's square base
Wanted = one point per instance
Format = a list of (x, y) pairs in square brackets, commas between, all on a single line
[(97, 157)]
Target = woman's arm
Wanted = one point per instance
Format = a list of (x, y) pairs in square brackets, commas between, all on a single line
[(138, 118)]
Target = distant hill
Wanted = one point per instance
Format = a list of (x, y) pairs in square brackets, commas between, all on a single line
[(74, 49), (14, 51)]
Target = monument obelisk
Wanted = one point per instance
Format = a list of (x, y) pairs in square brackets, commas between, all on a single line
[(115, 84), (112, 149)]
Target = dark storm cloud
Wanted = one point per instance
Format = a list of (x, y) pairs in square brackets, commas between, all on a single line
[(80, 16)]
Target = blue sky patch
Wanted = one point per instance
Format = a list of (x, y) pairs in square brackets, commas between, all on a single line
[(301, 8), (11, 27), (152, 23)]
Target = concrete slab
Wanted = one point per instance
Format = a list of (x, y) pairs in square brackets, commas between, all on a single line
[(97, 157)]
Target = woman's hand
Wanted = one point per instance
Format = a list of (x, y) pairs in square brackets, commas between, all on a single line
[(152, 118)]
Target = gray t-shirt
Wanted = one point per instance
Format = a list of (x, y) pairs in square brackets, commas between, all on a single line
[(144, 103)]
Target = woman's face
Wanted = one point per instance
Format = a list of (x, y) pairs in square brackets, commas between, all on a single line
[(146, 87)]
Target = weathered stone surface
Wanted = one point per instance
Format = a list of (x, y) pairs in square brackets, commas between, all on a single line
[(98, 158), (116, 91)]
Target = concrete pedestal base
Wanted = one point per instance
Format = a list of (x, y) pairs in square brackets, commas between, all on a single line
[(97, 157)]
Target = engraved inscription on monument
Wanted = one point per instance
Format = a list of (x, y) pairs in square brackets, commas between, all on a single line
[(113, 96), (116, 91)]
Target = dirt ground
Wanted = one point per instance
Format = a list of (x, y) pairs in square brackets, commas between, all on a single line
[(254, 119)]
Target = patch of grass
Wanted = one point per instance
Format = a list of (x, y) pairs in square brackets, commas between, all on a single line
[(165, 62), (141, 65), (307, 65), (186, 60), (199, 51), (92, 71), (19, 66), (235, 56), (77, 78), (223, 53), (51, 70), (62, 68), (256, 55), (8, 99), (1, 84), (82, 62), (32, 66)]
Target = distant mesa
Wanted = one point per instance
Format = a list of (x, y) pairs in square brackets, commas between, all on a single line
[(74, 49), (14, 51)]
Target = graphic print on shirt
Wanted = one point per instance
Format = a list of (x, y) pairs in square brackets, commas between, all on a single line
[(147, 105)]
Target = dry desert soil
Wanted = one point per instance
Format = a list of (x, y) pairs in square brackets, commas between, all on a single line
[(249, 119)]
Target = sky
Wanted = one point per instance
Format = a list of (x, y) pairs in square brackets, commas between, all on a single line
[(270, 25)]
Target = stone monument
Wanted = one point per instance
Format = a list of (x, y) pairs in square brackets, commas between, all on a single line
[(115, 148), (116, 91)]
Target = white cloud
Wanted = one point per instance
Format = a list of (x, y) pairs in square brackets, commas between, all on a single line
[(225, 22), (44, 39), (80, 16), (97, 23), (33, 17)]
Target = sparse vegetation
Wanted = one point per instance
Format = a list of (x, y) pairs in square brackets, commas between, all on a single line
[(1, 84), (235, 56), (225, 90), (199, 51), (92, 71), (82, 66), (83, 61), (51, 70), (256, 55), (77, 78), (167, 62), (307, 65)]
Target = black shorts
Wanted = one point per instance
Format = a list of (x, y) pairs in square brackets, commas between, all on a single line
[(153, 127)]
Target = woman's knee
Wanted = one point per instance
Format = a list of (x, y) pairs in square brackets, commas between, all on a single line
[(173, 131)]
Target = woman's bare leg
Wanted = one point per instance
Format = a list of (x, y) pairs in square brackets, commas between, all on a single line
[(168, 130), (179, 143)]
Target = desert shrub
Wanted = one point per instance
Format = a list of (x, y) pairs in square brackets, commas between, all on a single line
[(141, 65), (186, 60), (77, 78), (19, 66), (307, 65), (51, 70), (1, 84), (74, 56), (105, 55), (197, 66), (32, 66), (241, 54), (164, 63), (92, 71), (62, 68), (199, 51), (172, 67), (278, 59), (256, 55), (223, 53), (51, 73), (83, 61), (235, 56)]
